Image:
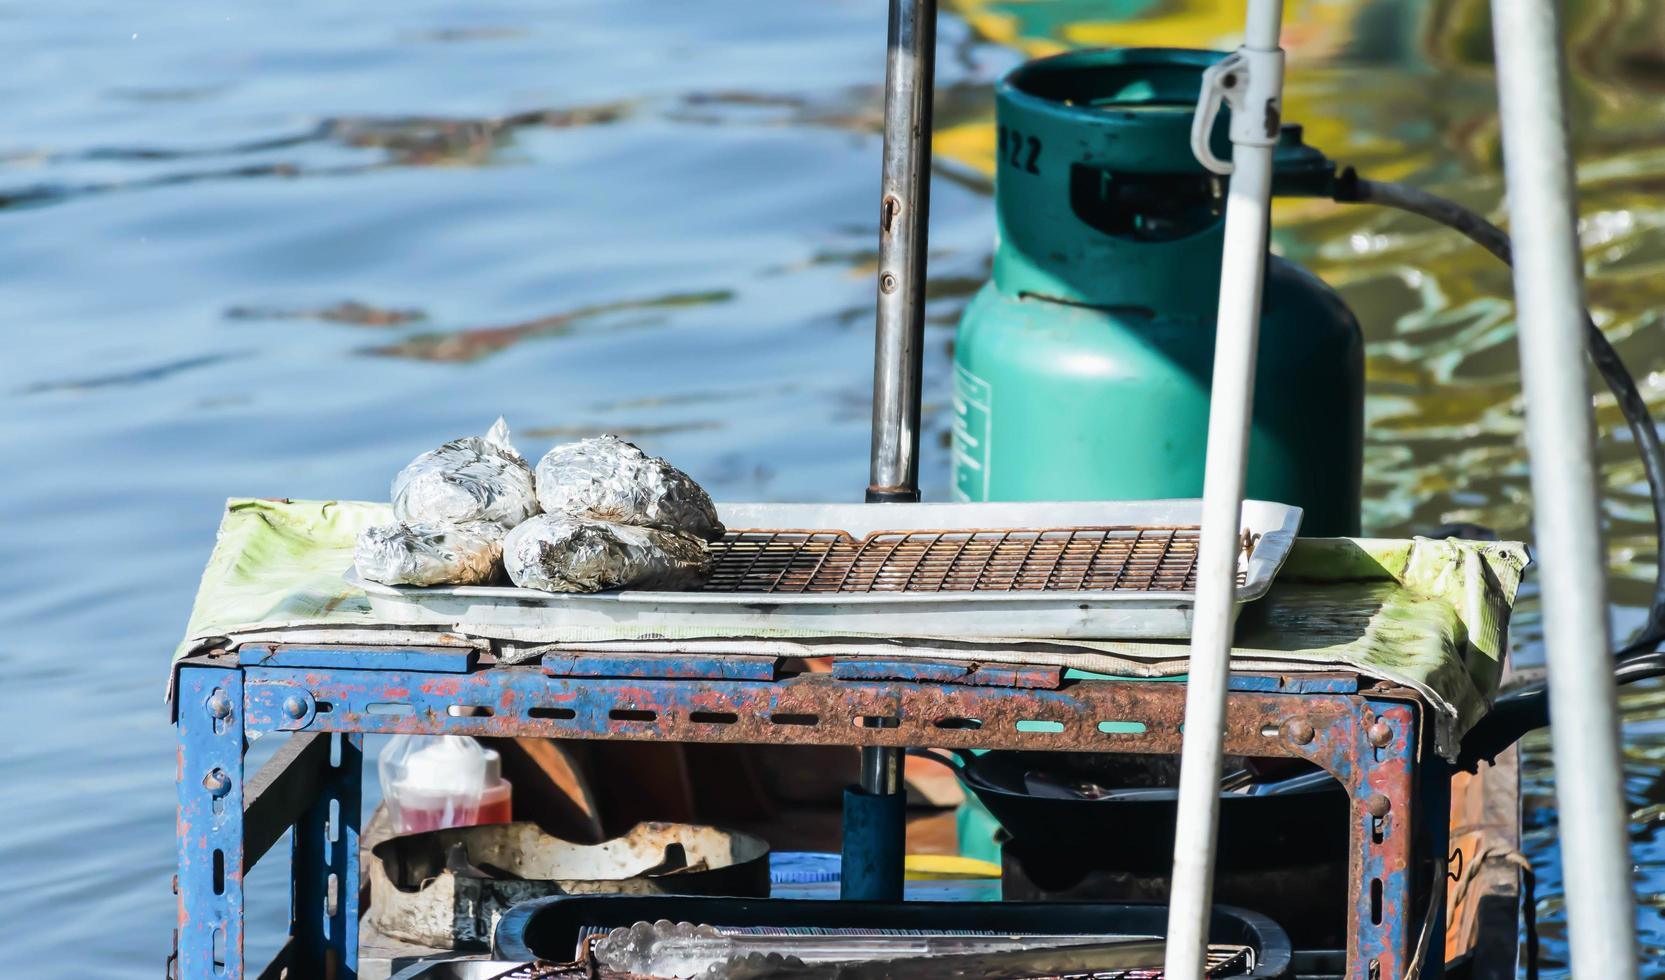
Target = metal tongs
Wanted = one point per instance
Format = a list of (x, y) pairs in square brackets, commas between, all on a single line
[(684, 950)]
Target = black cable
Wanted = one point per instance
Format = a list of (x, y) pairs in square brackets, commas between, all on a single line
[(1352, 188), (1525, 708)]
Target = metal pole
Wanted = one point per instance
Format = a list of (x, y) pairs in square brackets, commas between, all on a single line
[(1251, 82), (881, 771), (904, 206), (1549, 308), (873, 856)]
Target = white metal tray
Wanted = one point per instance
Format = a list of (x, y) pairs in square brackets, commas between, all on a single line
[(1018, 584)]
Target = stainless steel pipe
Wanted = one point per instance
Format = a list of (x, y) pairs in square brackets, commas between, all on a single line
[(881, 770), (899, 334), (904, 210)]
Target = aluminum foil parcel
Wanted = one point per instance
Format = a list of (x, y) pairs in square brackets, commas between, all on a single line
[(560, 553), (478, 478), (608, 479), (430, 554)]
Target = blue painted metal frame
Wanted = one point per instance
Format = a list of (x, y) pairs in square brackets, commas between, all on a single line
[(459, 660), (208, 940), (209, 931), (691, 666), (323, 921), (1296, 683), (1368, 740)]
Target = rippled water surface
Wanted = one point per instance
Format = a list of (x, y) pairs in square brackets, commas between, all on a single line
[(278, 249)]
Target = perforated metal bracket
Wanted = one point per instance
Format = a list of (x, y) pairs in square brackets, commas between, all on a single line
[(209, 918)]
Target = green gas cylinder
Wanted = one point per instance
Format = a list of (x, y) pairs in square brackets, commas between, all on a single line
[(1081, 370)]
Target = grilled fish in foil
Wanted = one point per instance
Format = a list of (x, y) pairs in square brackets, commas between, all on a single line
[(429, 554), (558, 553), (472, 479), (608, 479)]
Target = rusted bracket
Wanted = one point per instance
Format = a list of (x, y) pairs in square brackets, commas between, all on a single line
[(1373, 751)]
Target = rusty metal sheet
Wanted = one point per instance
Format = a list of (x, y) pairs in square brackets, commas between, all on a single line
[(1483, 875), (810, 709)]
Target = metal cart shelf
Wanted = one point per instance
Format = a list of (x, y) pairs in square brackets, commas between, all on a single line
[(328, 697)]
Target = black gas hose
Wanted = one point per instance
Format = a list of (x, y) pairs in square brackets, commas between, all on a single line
[(1352, 188), (1525, 707)]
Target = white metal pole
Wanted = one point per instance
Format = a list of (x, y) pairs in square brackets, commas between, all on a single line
[(1549, 308), (1251, 81)]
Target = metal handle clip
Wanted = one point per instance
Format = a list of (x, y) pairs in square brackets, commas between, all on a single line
[(1243, 79)]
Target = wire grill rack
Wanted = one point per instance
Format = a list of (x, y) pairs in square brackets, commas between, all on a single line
[(1073, 559), (1081, 570)]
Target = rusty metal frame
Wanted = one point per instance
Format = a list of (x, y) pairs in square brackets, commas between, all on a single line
[(1370, 740)]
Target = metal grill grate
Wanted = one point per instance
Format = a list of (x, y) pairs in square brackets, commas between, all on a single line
[(1080, 559)]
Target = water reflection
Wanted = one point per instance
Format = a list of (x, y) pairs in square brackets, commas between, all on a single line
[(477, 342), (136, 376), (347, 311), (656, 219), (430, 142)]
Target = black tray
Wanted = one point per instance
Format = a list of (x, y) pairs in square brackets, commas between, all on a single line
[(548, 928)]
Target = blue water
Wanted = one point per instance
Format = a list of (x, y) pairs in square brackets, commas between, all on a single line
[(278, 250)]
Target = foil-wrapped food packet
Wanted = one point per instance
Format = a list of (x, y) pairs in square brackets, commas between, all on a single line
[(472, 479), (429, 554), (608, 479), (561, 553)]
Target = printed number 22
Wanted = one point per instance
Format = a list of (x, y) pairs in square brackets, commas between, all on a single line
[(1019, 150)]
